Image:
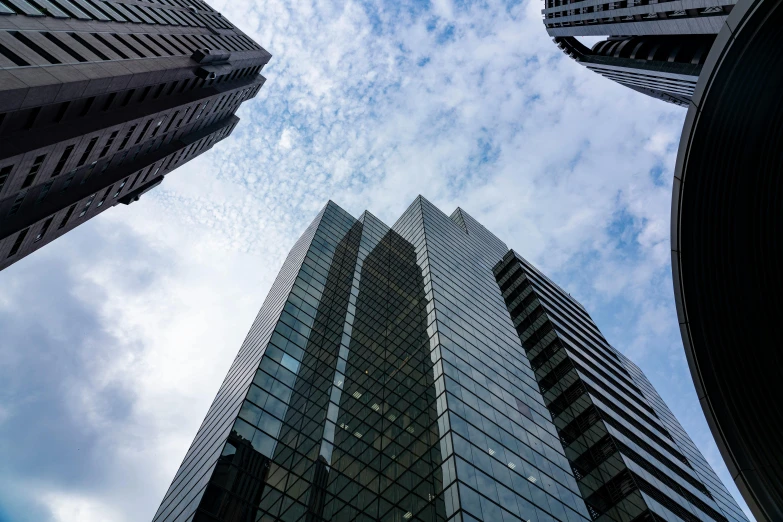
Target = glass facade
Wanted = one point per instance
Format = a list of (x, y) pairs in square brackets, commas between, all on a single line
[(401, 374)]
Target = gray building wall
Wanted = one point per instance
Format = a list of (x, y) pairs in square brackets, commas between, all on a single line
[(656, 48), (632, 458), (99, 98)]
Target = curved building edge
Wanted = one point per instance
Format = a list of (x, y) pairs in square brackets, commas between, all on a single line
[(758, 479)]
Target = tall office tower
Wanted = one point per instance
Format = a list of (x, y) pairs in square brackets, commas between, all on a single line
[(386, 379), (628, 453), (100, 99), (727, 248), (654, 47)]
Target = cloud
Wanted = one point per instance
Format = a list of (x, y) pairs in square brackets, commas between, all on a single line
[(118, 335), (69, 507)]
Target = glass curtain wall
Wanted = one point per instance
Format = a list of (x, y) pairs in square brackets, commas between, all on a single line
[(424, 372)]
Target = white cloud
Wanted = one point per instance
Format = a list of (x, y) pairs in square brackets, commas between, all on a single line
[(286, 139), (67, 507)]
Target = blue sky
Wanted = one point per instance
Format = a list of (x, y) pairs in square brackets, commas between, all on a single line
[(117, 336)]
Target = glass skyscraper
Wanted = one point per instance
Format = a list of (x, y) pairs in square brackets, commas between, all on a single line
[(425, 372)]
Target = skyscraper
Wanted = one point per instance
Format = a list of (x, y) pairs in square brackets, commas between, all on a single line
[(425, 372), (100, 99), (727, 248), (656, 48)]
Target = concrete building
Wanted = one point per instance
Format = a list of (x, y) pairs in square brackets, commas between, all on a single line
[(656, 48), (99, 100)]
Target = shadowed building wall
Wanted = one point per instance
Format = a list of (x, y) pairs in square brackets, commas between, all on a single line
[(631, 457), (99, 100)]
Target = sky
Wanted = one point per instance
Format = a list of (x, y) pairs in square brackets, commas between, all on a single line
[(116, 337)]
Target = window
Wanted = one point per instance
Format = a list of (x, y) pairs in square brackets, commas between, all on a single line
[(123, 38), (105, 195), (44, 228), (87, 206), (138, 176), (87, 151), (4, 173), (109, 101), (68, 180), (202, 110), (5, 51), (44, 190), (119, 189), (61, 111), (157, 127), (524, 409), (67, 216), (31, 117), (171, 121), (69, 10), (89, 46), (172, 44), (143, 131), (144, 93), (109, 45), (194, 113), (34, 170), (60, 164), (127, 137), (152, 14), (35, 47), (148, 173), (56, 41), (187, 110), (109, 143), (128, 97), (88, 105), (90, 169), (290, 363), (17, 203), (170, 161), (18, 242)]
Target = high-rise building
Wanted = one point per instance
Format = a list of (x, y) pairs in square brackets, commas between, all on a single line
[(100, 99), (425, 372), (654, 47), (727, 248)]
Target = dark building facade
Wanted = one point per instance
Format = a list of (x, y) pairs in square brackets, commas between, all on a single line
[(618, 434), (100, 99), (425, 372), (727, 248), (655, 47)]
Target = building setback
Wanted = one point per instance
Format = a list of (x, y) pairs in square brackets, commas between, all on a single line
[(656, 48), (100, 99), (425, 372)]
